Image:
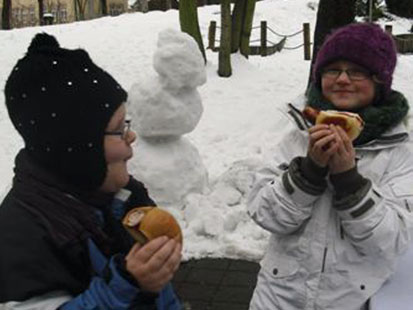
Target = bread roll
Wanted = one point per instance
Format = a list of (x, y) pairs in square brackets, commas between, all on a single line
[(350, 122), (147, 223)]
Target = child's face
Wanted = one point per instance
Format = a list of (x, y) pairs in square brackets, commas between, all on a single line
[(118, 151), (348, 90)]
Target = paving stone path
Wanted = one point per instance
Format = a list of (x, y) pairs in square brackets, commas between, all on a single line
[(216, 284)]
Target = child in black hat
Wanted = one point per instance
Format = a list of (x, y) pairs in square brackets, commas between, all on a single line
[(63, 246)]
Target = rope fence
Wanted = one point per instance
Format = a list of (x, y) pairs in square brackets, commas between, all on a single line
[(285, 35), (267, 47)]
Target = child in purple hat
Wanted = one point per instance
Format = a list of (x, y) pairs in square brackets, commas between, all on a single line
[(339, 211)]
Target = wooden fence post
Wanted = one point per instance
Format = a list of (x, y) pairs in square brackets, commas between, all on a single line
[(307, 41), (388, 29), (211, 35), (263, 38)]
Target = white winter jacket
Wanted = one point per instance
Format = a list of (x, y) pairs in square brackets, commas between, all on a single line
[(319, 257)]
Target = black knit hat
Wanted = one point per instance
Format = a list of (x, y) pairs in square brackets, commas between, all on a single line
[(61, 102)]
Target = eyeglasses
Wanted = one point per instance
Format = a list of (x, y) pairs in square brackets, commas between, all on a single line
[(122, 133), (353, 74)]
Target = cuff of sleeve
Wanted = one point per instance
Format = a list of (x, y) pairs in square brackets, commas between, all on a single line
[(363, 205), (347, 182), (305, 185), (351, 200), (312, 172), (297, 195), (120, 283), (120, 267)]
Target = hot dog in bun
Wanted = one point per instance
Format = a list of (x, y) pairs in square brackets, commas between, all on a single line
[(147, 223), (352, 123)]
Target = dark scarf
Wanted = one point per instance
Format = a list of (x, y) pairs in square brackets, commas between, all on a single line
[(68, 213), (378, 117)]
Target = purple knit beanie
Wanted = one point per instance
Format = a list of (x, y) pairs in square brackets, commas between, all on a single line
[(364, 44)]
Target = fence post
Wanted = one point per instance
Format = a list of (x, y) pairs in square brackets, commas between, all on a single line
[(307, 41), (211, 35), (388, 29), (263, 38)]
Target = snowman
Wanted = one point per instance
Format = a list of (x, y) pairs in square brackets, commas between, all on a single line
[(164, 107)]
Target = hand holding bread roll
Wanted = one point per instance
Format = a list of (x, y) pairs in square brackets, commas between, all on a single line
[(147, 223), (352, 123)]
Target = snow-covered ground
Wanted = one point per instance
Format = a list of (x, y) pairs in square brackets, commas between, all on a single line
[(239, 125)]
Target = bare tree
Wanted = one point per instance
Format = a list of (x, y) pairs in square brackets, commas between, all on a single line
[(41, 11), (247, 27), (188, 18), (402, 8), (6, 14), (80, 7), (224, 66), (331, 14), (242, 17), (104, 7)]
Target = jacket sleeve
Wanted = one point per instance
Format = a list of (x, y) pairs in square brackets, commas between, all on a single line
[(112, 289), (380, 223), (282, 199)]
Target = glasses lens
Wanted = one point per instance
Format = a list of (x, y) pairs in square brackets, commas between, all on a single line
[(126, 129), (357, 75), (331, 73)]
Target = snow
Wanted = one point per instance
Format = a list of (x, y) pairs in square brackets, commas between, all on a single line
[(239, 126)]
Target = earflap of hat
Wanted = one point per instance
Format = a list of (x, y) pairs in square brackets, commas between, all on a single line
[(84, 166)]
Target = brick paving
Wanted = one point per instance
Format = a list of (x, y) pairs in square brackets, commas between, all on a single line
[(216, 284)]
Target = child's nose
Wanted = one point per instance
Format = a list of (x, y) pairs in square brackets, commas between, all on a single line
[(130, 137), (343, 77)]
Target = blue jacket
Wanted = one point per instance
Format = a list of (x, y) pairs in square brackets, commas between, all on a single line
[(65, 248)]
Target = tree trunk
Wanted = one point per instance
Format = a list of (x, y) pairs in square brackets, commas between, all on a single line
[(168, 5), (80, 6), (247, 27), (142, 6), (237, 21), (331, 14), (41, 11), (6, 15), (224, 66), (104, 6), (403, 8), (188, 18)]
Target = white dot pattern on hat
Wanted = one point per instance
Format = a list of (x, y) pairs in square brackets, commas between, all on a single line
[(90, 144), (48, 149), (107, 105), (32, 122), (69, 149), (24, 96), (53, 114), (69, 83), (54, 62), (95, 81), (16, 69), (43, 88), (86, 69)]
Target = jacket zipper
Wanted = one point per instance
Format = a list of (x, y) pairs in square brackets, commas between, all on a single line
[(324, 260)]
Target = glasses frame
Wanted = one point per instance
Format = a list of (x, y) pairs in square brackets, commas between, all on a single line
[(122, 134), (333, 73)]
